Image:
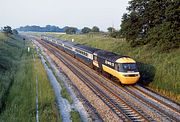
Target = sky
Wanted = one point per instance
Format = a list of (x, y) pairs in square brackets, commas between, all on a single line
[(76, 13)]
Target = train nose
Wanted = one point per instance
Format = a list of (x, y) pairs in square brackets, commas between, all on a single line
[(129, 78)]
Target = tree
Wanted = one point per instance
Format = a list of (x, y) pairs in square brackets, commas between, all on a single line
[(152, 22), (14, 31), (111, 29), (7, 30), (70, 30), (113, 33), (95, 29), (86, 30)]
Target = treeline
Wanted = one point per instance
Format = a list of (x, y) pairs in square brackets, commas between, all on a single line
[(66, 29), (85, 30), (152, 22), (47, 28)]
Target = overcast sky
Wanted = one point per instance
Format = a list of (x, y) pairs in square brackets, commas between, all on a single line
[(78, 13)]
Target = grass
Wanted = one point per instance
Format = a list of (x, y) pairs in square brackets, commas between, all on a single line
[(160, 70), (66, 95), (10, 54), (75, 117), (17, 69)]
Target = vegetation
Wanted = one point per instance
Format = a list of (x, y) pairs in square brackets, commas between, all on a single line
[(75, 117), (111, 29), (151, 22), (48, 28), (10, 53), (8, 30), (162, 70), (18, 83), (71, 30), (113, 32), (66, 95), (14, 31), (95, 29), (85, 30)]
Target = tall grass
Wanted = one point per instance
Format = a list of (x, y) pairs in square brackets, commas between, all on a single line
[(10, 54), (162, 70), (19, 103)]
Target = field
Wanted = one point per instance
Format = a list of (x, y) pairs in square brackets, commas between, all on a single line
[(161, 71), (18, 83)]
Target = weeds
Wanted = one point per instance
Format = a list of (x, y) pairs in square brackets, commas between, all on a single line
[(75, 117)]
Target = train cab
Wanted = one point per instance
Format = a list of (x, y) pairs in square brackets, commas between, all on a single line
[(122, 67), (127, 70)]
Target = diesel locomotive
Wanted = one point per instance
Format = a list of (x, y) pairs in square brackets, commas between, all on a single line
[(123, 68)]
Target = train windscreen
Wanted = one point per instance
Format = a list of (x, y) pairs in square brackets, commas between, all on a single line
[(128, 67)]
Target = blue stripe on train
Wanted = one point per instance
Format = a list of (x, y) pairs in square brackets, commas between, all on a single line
[(69, 51)]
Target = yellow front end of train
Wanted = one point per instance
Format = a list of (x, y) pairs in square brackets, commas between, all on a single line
[(126, 71)]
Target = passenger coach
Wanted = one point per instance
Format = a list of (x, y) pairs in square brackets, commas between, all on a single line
[(85, 54)]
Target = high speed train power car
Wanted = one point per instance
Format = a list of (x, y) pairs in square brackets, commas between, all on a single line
[(123, 68)]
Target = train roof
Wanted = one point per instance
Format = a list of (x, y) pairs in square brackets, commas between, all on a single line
[(109, 55), (61, 41), (48, 36), (69, 43), (86, 48)]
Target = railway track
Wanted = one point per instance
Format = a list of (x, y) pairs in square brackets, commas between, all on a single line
[(156, 101), (170, 104), (118, 103)]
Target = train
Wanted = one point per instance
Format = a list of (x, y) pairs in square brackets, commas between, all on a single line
[(122, 68)]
